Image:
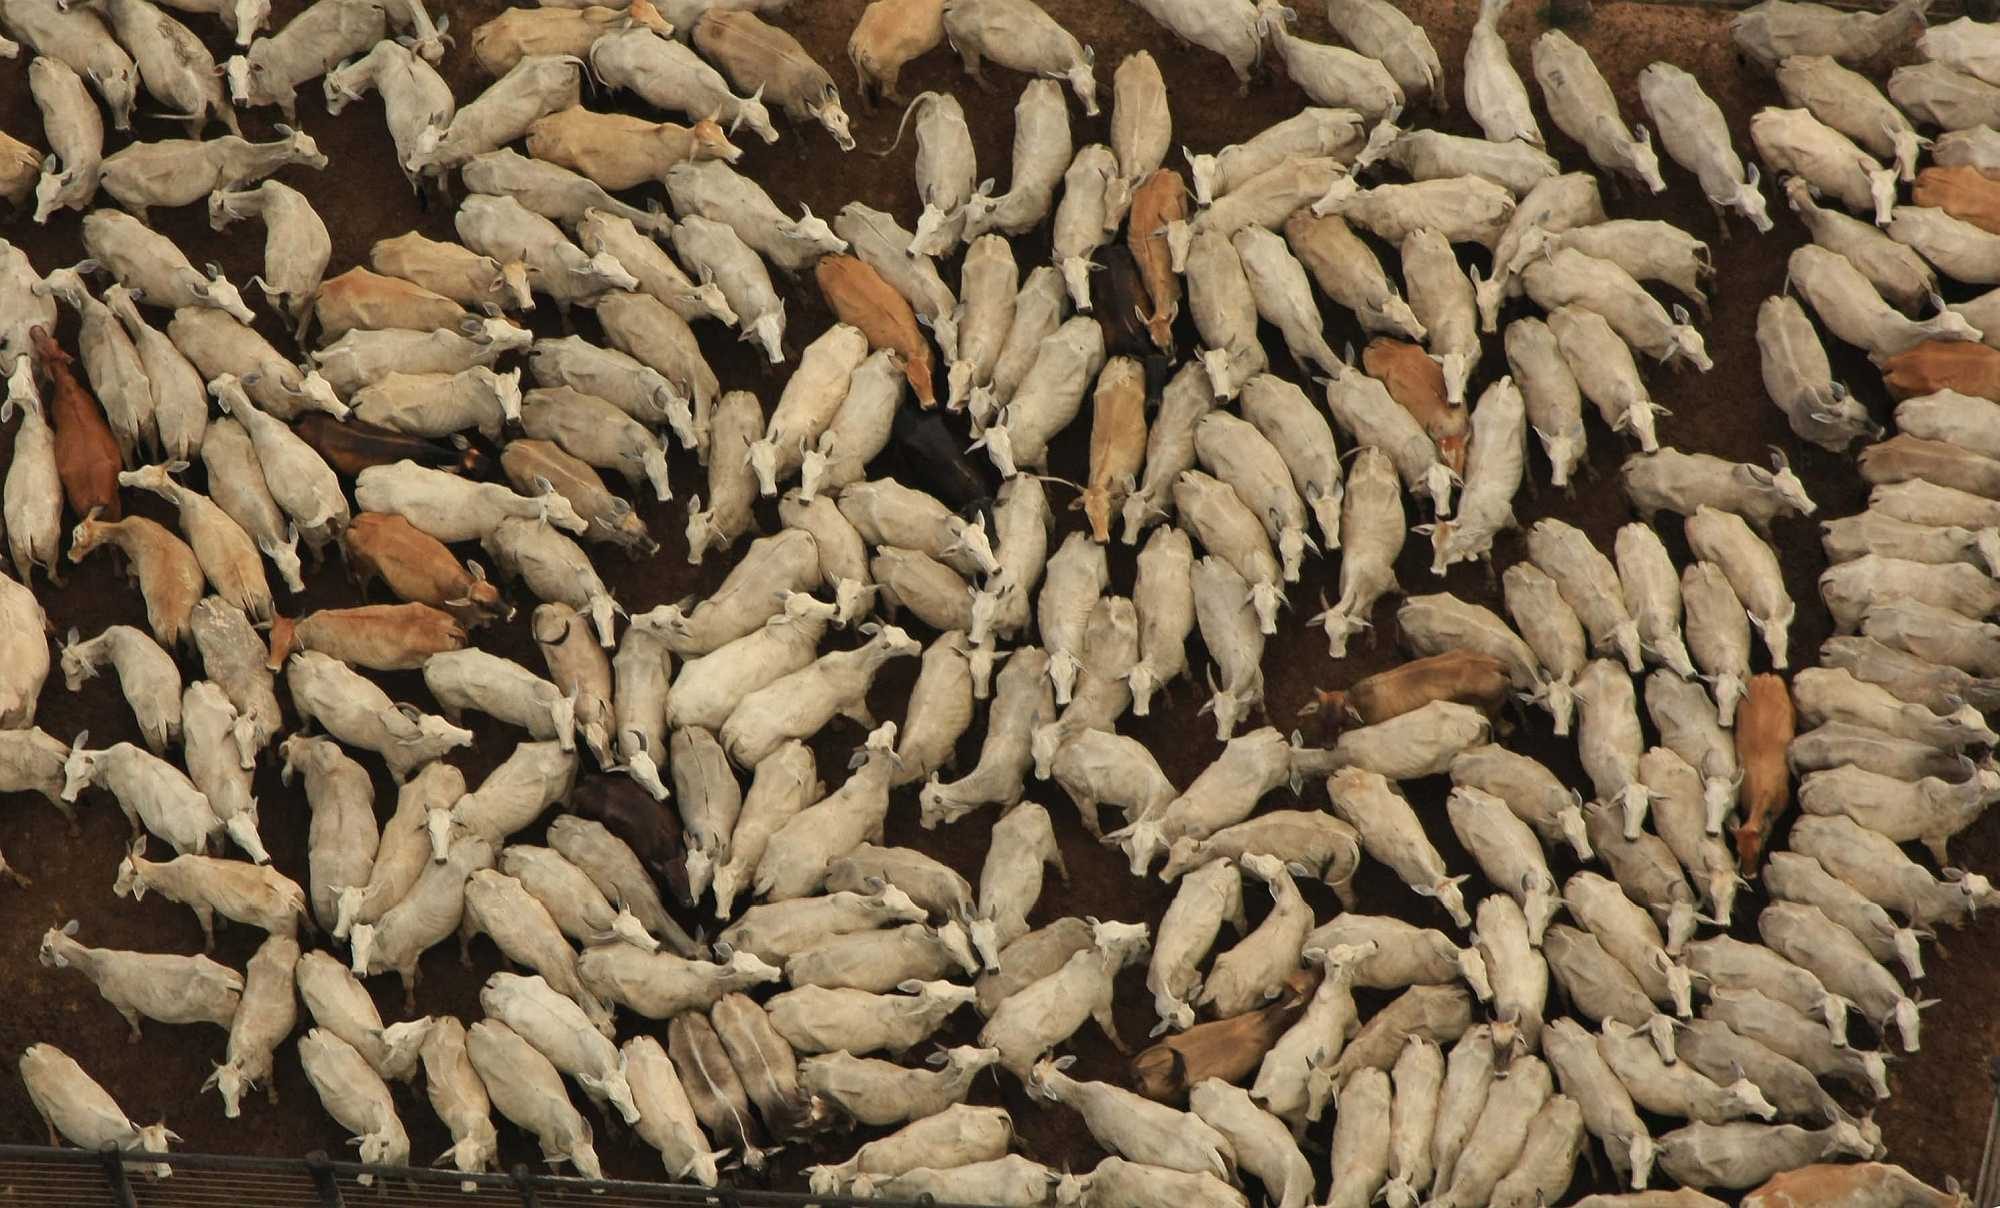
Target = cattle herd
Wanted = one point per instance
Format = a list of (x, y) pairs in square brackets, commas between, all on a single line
[(1691, 1057)]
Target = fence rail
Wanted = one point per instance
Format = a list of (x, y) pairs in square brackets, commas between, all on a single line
[(35, 1176)]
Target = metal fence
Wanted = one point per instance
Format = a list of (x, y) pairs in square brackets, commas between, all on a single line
[(34, 1176)]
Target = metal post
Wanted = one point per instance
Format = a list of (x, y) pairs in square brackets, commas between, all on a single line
[(114, 1174), (524, 1183), (321, 1170), (1988, 1185)]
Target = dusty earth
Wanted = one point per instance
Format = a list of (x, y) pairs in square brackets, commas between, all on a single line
[(1934, 1124)]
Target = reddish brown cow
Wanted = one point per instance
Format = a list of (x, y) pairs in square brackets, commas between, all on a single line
[(1157, 203), (380, 637), (1464, 676), (1936, 365), (418, 568), (87, 456), (860, 298), (1228, 1049), (1765, 723), (1416, 381)]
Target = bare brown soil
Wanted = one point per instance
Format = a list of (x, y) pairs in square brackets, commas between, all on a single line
[(1935, 1122)]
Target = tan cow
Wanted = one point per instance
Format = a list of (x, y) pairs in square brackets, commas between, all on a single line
[(500, 44), (1117, 443), (369, 301), (889, 35), (620, 151), (1765, 723)]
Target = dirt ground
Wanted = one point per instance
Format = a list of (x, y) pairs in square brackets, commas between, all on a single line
[(1934, 1124)]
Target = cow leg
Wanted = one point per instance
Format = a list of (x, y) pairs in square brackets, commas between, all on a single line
[(1107, 1020)]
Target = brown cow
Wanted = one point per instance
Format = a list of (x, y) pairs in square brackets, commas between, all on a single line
[(1765, 724), (1966, 194), (1859, 1183), (889, 35), (87, 456), (380, 637), (360, 299), (1466, 677), (652, 831), (1936, 365), (1158, 202), (419, 569), (351, 446), (1228, 1049), (862, 299), (620, 151), (1415, 380)]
